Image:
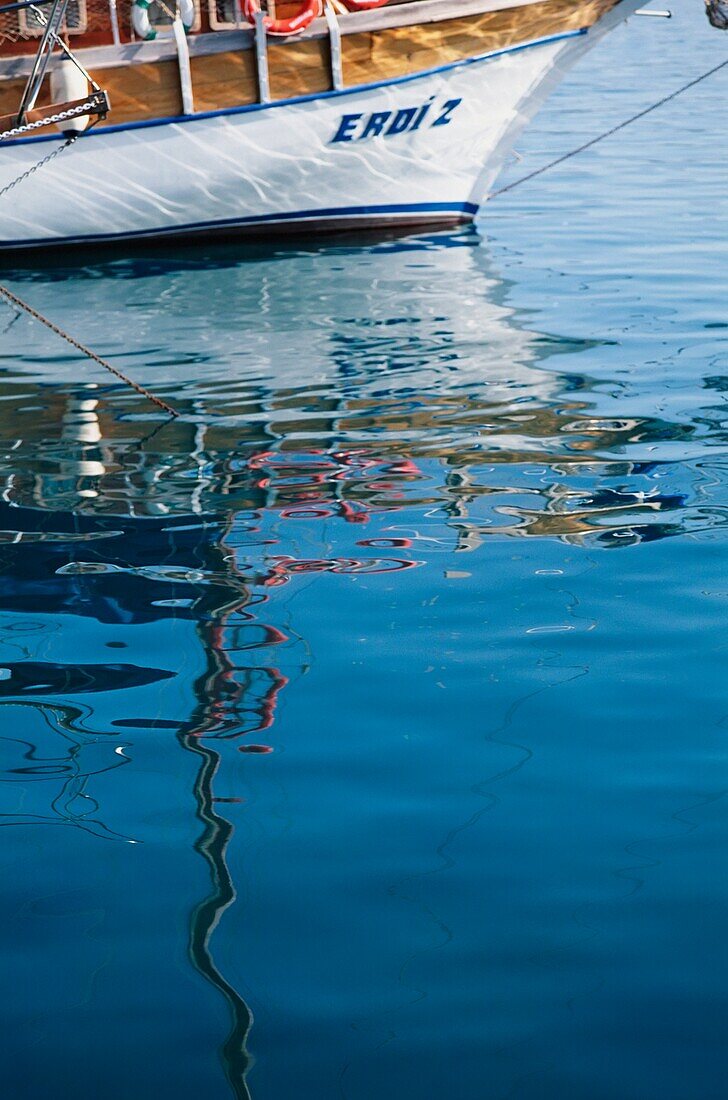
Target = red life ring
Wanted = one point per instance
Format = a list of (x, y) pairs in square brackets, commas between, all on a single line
[(310, 10), (364, 5)]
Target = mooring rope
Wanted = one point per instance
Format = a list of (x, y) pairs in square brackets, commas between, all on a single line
[(607, 133), (27, 308)]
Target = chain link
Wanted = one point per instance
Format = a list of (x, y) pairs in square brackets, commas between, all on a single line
[(50, 120), (94, 102), (46, 160)]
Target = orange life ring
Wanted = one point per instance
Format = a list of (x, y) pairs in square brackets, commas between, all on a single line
[(310, 10)]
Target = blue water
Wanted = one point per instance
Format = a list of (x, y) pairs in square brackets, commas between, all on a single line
[(363, 731)]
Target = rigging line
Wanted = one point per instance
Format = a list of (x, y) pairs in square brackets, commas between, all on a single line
[(41, 164), (58, 41), (607, 133), (70, 139), (20, 304)]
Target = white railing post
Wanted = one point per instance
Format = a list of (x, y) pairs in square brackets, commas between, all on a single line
[(261, 56), (183, 62), (337, 71), (114, 20)]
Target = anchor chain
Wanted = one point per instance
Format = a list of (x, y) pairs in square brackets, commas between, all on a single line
[(97, 103), (34, 168)]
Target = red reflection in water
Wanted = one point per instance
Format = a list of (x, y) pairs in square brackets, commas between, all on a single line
[(241, 696), (353, 513), (271, 635), (305, 485)]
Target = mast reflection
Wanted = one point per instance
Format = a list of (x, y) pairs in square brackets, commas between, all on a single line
[(212, 846), (217, 574)]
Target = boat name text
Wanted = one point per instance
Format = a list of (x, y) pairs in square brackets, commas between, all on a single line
[(361, 127)]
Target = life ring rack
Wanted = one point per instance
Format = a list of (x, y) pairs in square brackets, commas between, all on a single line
[(142, 24), (310, 10)]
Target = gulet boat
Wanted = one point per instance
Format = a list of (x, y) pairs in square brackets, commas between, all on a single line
[(137, 121)]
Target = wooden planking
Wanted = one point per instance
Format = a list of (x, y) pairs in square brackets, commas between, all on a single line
[(302, 66), (403, 50), (135, 92), (231, 79), (142, 91), (11, 92), (299, 68), (224, 80)]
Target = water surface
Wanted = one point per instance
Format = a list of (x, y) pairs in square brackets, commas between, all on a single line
[(363, 731)]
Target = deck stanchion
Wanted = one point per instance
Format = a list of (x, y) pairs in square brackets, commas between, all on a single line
[(183, 62), (337, 71), (114, 20), (261, 56)]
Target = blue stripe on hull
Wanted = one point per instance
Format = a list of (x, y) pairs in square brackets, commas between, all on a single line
[(250, 108), (325, 219)]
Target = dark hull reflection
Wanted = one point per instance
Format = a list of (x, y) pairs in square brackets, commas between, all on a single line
[(47, 678), (43, 577)]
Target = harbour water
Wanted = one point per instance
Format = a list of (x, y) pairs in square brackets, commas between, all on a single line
[(362, 732)]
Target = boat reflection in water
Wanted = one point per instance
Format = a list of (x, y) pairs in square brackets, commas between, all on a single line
[(174, 550)]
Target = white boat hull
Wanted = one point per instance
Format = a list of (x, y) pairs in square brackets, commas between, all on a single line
[(421, 149)]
